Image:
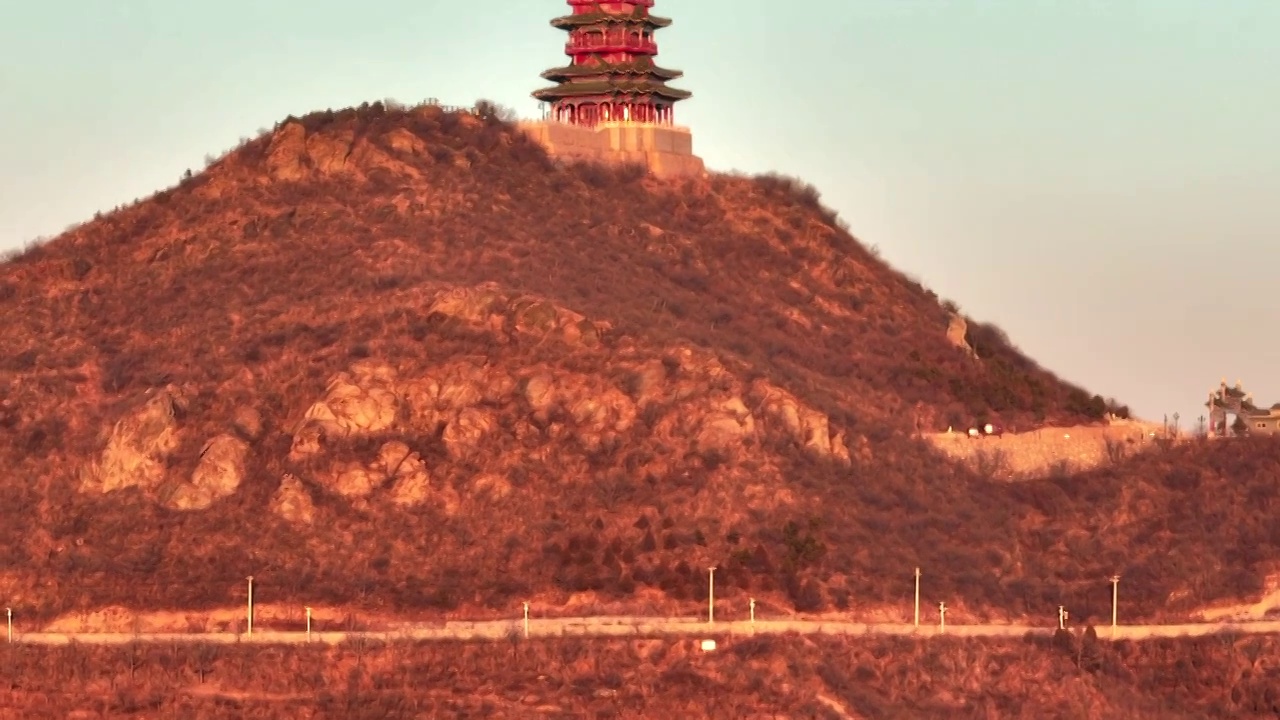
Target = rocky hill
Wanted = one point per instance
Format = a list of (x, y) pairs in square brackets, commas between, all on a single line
[(400, 360)]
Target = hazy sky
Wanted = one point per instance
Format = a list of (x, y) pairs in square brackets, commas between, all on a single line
[(1099, 177)]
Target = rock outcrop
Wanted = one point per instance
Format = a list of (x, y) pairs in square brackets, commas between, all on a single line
[(248, 422), (292, 502), (464, 435), (218, 475), (286, 152), (958, 334), (726, 425), (295, 155), (139, 447), (809, 428), (411, 483), (358, 402)]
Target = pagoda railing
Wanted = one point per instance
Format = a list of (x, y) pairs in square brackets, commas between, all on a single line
[(603, 124), (618, 44)]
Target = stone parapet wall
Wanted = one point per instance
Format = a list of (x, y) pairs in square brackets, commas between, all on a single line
[(666, 150)]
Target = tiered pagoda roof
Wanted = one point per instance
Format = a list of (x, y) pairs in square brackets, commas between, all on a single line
[(612, 55), (599, 77), (640, 66), (639, 15)]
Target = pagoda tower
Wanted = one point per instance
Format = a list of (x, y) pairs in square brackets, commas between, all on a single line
[(611, 76)]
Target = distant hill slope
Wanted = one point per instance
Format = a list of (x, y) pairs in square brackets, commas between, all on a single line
[(400, 358)]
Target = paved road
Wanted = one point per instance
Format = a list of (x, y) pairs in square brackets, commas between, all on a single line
[(496, 630)]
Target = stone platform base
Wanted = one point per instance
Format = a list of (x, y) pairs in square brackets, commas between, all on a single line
[(667, 151)]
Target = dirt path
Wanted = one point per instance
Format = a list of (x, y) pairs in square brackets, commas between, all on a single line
[(1253, 611), (1048, 450), (497, 630)]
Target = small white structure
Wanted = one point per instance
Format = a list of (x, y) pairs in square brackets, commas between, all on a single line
[(708, 645)]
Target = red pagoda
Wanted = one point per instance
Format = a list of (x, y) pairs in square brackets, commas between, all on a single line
[(612, 76)]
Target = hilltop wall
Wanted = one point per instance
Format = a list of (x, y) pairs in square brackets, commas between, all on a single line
[(666, 151)]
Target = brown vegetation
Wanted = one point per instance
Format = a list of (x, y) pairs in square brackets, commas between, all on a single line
[(1067, 677), (560, 382)]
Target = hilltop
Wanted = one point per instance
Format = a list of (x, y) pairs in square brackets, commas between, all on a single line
[(400, 361)]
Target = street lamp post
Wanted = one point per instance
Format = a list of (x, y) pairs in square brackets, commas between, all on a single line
[(711, 595), (250, 615), (308, 624), (1115, 601), (526, 621), (917, 621), (753, 613), (9, 615), (1062, 618), (942, 617)]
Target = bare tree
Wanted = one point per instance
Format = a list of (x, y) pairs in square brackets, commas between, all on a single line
[(489, 109), (1116, 450), (1202, 428), (990, 464), (205, 657)]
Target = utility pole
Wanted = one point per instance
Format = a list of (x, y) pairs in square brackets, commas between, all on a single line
[(526, 621), (753, 613), (942, 618), (917, 597), (711, 595), (308, 624), (250, 627), (9, 613), (1062, 618), (1115, 601)]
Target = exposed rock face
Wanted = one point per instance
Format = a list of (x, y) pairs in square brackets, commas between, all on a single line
[(328, 152), (600, 412), (491, 486), (139, 446), (285, 154), (691, 403), (412, 484), (353, 480), (726, 425), (438, 397), (219, 474), (806, 426), (396, 463), (465, 435), (648, 382), (404, 141), (469, 304), (485, 306), (248, 422), (356, 403), (295, 155), (958, 333), (292, 501)]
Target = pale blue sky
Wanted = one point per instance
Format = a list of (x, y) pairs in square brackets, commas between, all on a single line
[(1098, 177)]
